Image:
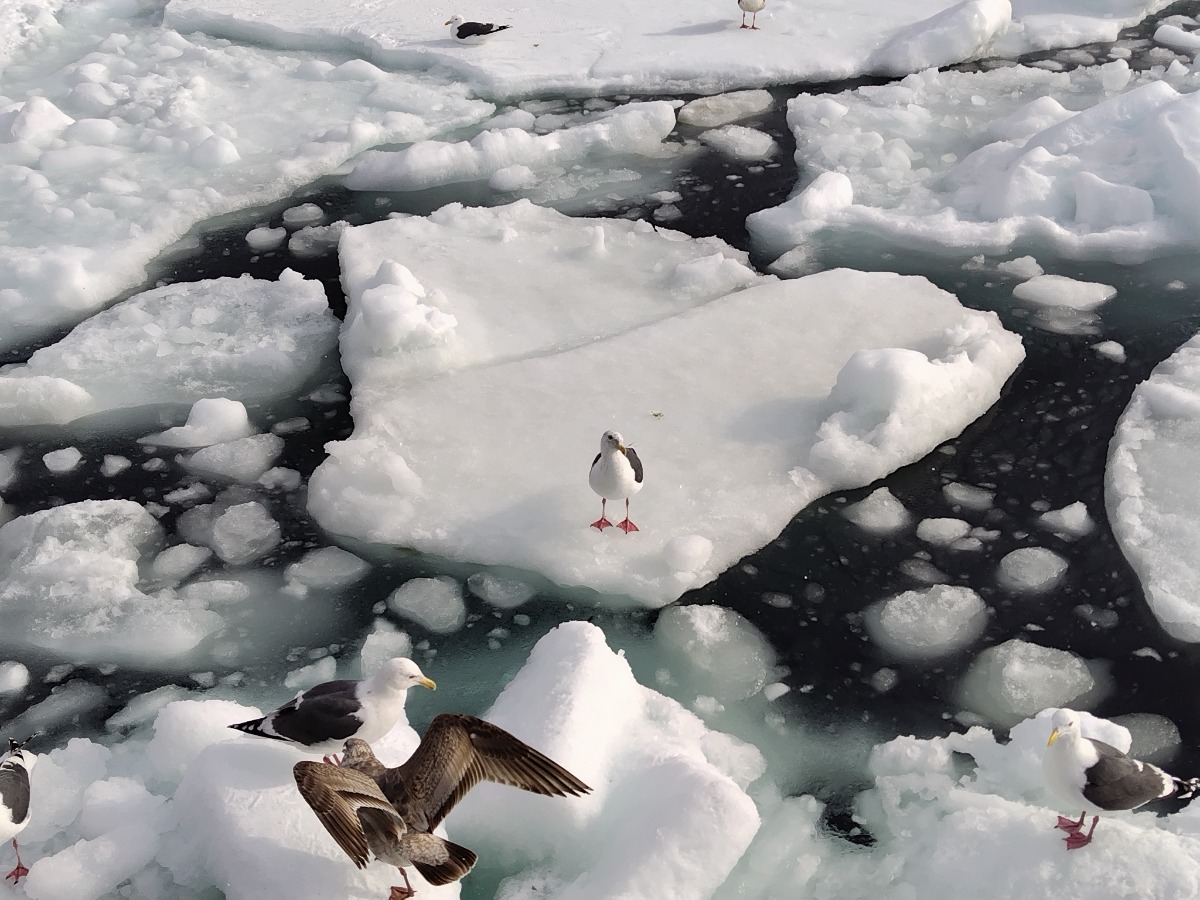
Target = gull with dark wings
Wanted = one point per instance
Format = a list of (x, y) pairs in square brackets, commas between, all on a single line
[(369, 808)]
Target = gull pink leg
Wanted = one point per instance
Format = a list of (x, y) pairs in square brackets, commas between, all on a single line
[(20, 871), (627, 526), (601, 523), (1075, 840), (1071, 825)]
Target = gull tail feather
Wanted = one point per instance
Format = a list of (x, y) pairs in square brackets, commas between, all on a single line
[(1187, 788)]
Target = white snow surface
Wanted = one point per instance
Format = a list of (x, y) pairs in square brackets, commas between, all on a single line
[(996, 161), (855, 375), (630, 47), (1151, 497), (238, 338)]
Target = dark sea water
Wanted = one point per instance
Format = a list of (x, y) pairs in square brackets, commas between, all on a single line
[(1043, 446)]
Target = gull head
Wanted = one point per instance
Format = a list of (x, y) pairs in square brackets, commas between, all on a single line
[(455, 20), (24, 757), (1065, 721), (401, 674), (356, 752), (612, 440)]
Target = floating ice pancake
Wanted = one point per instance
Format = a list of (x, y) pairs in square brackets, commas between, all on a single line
[(756, 404)]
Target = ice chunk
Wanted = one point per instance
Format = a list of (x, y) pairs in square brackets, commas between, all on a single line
[(433, 603), (687, 553), (927, 623), (13, 677), (244, 532), (113, 465), (942, 532), (315, 673), (739, 142), (64, 460), (1023, 267), (263, 239), (304, 214), (67, 703), (174, 564), (1016, 679), (210, 421), (719, 650), (8, 466), (1156, 738), (1059, 291), (327, 568), (722, 109), (879, 512), (1031, 570), (1110, 350), (69, 587), (243, 460), (968, 496), (1071, 522), (500, 592)]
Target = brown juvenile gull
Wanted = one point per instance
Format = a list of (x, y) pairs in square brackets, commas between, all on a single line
[(321, 718), (14, 800), (1098, 777), (393, 811)]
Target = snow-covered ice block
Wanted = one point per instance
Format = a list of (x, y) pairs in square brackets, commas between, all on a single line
[(984, 162), (942, 531), (739, 142), (856, 374), (1151, 498), (69, 588), (1059, 291), (664, 818), (928, 623), (1016, 679), (211, 420), (433, 603), (233, 337), (327, 568)]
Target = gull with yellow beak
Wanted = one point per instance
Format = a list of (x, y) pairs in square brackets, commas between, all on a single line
[(616, 473), (1099, 778), (325, 716)]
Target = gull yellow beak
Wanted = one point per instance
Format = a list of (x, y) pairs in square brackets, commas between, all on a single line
[(1054, 736), (622, 447), (429, 683), (447, 22)]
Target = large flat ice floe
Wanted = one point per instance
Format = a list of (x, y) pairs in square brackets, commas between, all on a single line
[(1087, 163), (668, 47), (743, 409), (184, 807), (114, 145), (1152, 496), (239, 338)]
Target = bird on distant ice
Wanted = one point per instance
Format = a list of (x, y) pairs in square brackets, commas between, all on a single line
[(1099, 778), (321, 718), (391, 813), (616, 473), (14, 800), (472, 32), (753, 7)]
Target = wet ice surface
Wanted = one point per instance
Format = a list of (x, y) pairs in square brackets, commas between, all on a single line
[(813, 697)]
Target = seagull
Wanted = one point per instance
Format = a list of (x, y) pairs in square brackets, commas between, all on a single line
[(751, 6), (14, 800), (364, 805), (321, 718), (616, 473), (473, 32), (1100, 778)]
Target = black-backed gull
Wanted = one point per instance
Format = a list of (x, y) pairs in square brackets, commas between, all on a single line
[(753, 7), (616, 473), (14, 800), (472, 32), (323, 717), (1098, 778)]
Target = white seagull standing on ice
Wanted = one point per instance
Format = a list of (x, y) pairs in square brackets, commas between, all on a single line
[(616, 473), (753, 7), (324, 717), (472, 32), (14, 800), (1099, 778)]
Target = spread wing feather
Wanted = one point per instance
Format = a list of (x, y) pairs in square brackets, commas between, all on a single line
[(336, 795)]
